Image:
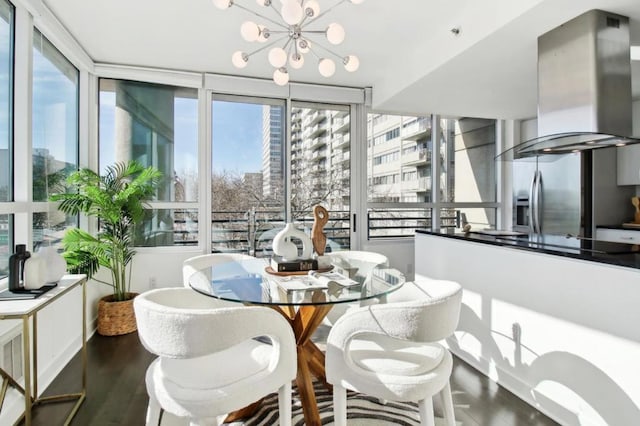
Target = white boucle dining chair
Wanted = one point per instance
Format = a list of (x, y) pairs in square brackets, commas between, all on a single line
[(209, 362), (357, 263), (391, 350), (196, 263)]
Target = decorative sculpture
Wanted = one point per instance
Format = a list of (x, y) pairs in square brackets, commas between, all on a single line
[(282, 245), (320, 219)]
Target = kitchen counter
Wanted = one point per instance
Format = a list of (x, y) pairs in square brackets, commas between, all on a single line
[(536, 316), (626, 228), (620, 254)]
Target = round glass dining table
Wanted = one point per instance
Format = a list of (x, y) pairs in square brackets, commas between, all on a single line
[(303, 301)]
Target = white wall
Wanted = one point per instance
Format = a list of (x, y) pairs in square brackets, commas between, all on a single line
[(560, 333)]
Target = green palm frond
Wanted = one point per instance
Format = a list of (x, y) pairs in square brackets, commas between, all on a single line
[(117, 199)]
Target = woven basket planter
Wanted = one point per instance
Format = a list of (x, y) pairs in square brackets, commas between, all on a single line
[(116, 318)]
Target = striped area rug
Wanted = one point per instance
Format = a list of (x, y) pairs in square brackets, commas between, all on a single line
[(361, 410)]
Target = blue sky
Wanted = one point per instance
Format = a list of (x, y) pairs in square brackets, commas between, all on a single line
[(237, 137)]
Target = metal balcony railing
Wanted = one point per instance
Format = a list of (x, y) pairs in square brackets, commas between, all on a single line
[(394, 223), (252, 232)]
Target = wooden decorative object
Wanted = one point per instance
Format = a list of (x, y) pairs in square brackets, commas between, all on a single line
[(116, 318), (636, 203), (320, 219)]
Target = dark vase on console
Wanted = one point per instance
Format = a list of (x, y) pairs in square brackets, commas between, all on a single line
[(16, 267)]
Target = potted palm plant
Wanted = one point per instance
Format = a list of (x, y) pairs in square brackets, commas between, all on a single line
[(116, 199)]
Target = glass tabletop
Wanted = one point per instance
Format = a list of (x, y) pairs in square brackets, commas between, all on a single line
[(248, 281)]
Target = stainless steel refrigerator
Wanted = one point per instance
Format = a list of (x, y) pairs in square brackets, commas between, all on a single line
[(548, 194), (568, 194)]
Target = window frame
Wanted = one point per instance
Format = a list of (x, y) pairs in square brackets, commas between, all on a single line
[(436, 205), (7, 206)]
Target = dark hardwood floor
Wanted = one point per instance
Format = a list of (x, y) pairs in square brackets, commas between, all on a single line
[(116, 393)]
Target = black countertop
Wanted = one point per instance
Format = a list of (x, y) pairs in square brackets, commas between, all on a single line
[(620, 254), (623, 227)]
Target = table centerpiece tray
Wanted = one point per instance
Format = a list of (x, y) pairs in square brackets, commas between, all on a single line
[(269, 270)]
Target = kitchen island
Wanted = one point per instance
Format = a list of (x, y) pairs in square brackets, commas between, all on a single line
[(556, 320)]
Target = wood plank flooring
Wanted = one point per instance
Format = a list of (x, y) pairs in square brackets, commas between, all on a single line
[(116, 393)]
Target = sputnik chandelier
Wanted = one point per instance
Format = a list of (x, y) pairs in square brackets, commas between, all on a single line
[(293, 35)]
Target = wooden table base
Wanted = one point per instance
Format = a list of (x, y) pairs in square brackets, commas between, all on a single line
[(304, 322)]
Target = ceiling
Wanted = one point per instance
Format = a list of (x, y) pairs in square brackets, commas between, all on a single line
[(408, 53)]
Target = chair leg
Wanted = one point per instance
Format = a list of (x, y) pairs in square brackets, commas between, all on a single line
[(447, 405), (339, 405), (426, 412), (154, 413), (284, 404)]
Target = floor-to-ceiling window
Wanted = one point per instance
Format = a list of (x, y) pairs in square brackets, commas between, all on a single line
[(6, 120), (468, 174), (427, 172), (54, 135), (399, 168), (320, 168), (247, 173), (250, 191), (156, 125)]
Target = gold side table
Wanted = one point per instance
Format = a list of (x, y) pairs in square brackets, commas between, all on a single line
[(27, 310)]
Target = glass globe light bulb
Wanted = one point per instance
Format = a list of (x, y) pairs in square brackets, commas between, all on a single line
[(265, 3), (277, 57), (291, 12), (351, 63), (250, 31), (335, 33), (222, 4), (357, 1), (326, 67), (311, 8), (239, 59), (296, 60), (281, 76)]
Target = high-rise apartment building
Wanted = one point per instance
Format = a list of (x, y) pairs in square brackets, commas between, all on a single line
[(272, 137), (399, 159)]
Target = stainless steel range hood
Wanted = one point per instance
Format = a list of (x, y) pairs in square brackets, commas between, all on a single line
[(584, 87)]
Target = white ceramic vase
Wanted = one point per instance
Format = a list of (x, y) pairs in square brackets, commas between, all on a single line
[(283, 246), (34, 272), (55, 265)]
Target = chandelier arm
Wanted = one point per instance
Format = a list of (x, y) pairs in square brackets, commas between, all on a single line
[(287, 43), (314, 53), (315, 18), (326, 49), (266, 46), (246, 9)]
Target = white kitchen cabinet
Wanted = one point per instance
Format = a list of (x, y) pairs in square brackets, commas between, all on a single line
[(629, 165), (628, 236)]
